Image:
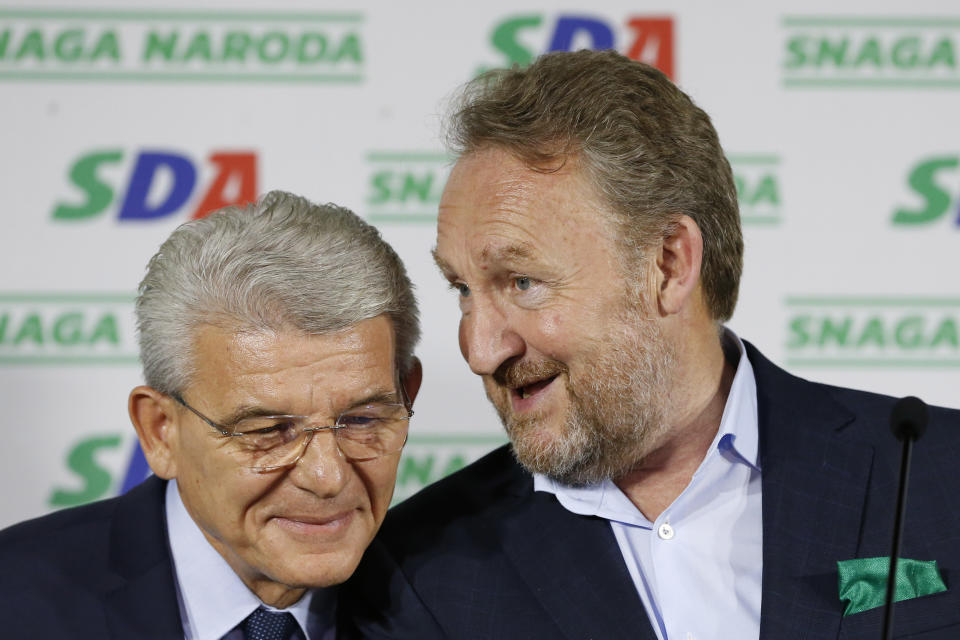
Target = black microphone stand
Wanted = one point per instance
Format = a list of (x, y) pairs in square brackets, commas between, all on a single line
[(908, 422)]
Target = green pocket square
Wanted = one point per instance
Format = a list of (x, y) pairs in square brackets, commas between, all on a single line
[(863, 581)]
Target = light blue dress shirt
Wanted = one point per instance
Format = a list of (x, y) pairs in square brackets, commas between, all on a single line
[(698, 567), (213, 599)]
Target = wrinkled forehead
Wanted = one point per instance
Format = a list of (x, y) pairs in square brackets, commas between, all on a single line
[(295, 371), (498, 209)]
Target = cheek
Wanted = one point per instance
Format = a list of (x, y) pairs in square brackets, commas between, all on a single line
[(221, 491), (379, 480), (219, 502), (547, 333), (551, 325), (462, 339), (192, 460)]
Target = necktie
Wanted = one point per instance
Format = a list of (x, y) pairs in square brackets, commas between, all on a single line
[(269, 625)]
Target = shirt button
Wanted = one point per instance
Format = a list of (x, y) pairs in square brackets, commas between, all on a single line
[(665, 531)]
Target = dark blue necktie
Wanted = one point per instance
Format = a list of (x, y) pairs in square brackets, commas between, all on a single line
[(269, 625)]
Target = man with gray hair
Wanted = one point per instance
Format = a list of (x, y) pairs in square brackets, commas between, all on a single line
[(664, 480), (277, 347)]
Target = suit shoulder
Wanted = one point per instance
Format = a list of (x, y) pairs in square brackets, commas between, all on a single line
[(61, 526), (62, 554), (470, 493), (75, 544), (61, 571), (876, 409), (436, 544), (867, 413)]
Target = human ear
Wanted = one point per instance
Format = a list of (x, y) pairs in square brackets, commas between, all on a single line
[(412, 379), (153, 417), (678, 265)]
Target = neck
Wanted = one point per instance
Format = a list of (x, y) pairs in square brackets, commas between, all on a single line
[(274, 594), (704, 377)]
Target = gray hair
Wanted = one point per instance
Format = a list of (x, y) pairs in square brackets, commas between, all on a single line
[(650, 151), (279, 263)]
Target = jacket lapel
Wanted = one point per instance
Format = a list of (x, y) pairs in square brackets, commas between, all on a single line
[(814, 493), (573, 566), (144, 602)]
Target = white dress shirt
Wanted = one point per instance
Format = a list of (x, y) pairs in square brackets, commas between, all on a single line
[(698, 567), (213, 599)]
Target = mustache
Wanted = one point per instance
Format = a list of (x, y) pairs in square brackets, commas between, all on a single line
[(520, 373)]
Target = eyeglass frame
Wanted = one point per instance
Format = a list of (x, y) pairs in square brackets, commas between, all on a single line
[(334, 428)]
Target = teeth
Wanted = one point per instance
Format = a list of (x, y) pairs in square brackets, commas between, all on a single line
[(524, 393)]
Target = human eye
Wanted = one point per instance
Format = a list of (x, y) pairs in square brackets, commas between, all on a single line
[(371, 416), (461, 288), (267, 432), (265, 425), (358, 421), (528, 291), (522, 283), (526, 285)]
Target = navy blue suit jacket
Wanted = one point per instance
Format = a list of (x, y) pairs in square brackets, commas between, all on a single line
[(480, 555), (98, 571), (101, 571)]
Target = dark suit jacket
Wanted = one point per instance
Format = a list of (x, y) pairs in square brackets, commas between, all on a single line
[(98, 571), (101, 571), (480, 555)]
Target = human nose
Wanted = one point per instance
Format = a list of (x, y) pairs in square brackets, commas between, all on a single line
[(321, 469), (487, 338)]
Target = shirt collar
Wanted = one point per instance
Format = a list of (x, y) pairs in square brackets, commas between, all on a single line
[(736, 441), (738, 432), (213, 598)]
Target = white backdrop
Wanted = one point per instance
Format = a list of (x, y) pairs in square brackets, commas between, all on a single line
[(840, 119)]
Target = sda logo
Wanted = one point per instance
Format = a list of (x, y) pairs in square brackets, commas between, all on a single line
[(873, 332), (160, 184), (67, 329), (757, 177), (132, 45), (927, 179), (405, 186), (94, 478), (902, 52), (648, 39)]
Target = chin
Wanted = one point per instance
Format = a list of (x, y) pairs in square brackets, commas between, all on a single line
[(315, 560), (538, 446), (535, 437), (313, 573)]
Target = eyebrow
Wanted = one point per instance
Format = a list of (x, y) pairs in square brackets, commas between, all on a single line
[(521, 251), (515, 252), (442, 264), (251, 411), (382, 397)]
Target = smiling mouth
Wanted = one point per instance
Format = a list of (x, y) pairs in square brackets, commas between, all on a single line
[(532, 389), (307, 524), (313, 520)]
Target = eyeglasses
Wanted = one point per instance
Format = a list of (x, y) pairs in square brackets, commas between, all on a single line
[(268, 443)]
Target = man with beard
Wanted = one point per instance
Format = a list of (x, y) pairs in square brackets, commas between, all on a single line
[(666, 480)]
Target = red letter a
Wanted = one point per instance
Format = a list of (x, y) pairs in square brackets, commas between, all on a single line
[(653, 43), (236, 170)]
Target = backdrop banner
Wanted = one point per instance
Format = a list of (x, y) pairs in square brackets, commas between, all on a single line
[(121, 121)]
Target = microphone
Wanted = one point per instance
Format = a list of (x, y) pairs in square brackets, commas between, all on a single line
[(908, 421), (909, 418)]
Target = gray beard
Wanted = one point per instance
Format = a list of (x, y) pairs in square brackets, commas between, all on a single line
[(617, 409)]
